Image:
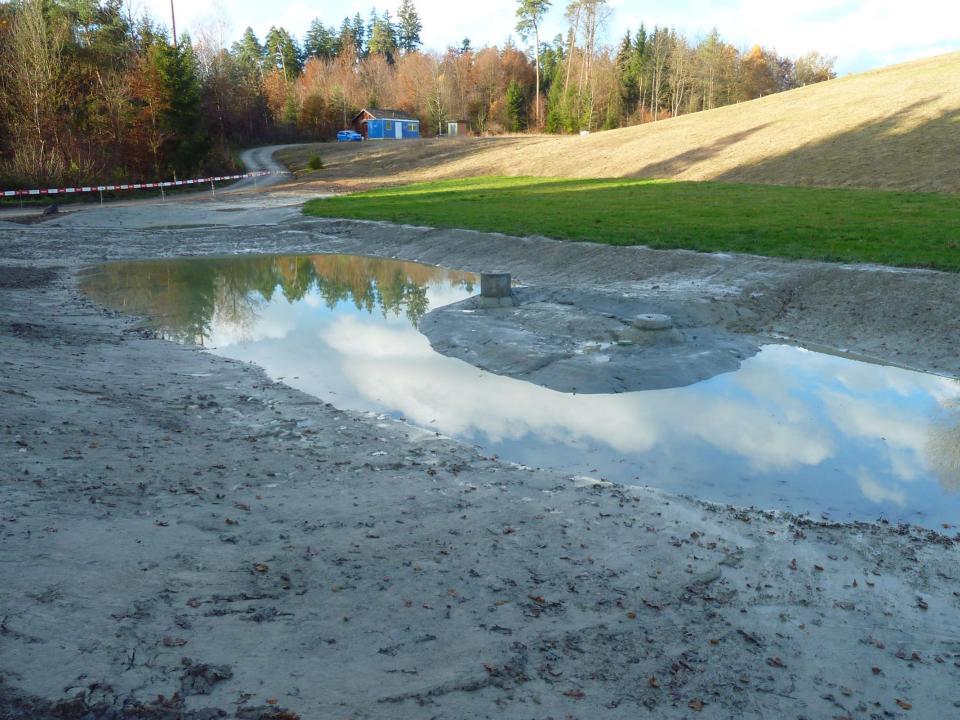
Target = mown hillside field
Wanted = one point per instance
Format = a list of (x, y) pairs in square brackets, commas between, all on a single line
[(897, 128)]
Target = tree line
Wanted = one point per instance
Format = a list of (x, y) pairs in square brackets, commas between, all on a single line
[(89, 92)]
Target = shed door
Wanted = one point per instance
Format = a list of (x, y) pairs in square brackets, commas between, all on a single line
[(399, 130)]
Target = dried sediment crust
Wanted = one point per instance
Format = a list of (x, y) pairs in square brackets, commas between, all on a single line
[(585, 341)]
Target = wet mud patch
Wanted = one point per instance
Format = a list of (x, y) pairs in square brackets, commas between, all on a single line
[(15, 277), (98, 703), (33, 219), (27, 330)]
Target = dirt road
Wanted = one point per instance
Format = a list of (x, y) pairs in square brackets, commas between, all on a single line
[(177, 524)]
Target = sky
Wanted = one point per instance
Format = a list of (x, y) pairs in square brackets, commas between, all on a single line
[(861, 34)]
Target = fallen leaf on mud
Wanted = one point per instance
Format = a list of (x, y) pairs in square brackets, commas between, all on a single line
[(242, 506), (714, 641), (922, 604), (173, 642), (653, 682), (793, 564), (261, 567), (539, 599), (231, 521), (904, 704), (775, 662), (632, 615), (875, 670), (696, 704), (271, 701), (193, 602), (575, 694), (818, 568)]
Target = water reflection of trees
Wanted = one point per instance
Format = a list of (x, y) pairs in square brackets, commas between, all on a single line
[(188, 296), (943, 447)]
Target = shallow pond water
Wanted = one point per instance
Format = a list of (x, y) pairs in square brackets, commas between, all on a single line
[(792, 429)]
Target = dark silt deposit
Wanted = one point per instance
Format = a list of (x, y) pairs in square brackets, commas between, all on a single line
[(774, 426)]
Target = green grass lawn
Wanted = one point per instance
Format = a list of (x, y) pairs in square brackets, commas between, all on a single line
[(872, 226)]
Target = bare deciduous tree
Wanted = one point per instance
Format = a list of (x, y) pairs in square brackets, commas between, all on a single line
[(34, 94)]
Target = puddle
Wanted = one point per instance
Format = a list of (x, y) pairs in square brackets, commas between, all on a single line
[(792, 429)]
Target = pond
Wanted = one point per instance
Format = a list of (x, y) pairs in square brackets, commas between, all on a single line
[(792, 429)]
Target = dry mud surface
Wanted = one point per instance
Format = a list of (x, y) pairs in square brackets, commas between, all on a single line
[(175, 524)]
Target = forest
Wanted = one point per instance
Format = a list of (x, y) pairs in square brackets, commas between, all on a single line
[(90, 92)]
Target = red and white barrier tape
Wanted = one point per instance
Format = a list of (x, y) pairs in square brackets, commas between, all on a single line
[(133, 186)]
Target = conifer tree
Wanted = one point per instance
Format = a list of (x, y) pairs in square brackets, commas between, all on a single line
[(515, 106), (409, 27), (283, 52), (320, 41), (189, 142)]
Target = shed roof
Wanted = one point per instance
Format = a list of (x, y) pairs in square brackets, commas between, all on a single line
[(383, 114)]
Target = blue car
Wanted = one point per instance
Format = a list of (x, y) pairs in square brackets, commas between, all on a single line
[(349, 136)]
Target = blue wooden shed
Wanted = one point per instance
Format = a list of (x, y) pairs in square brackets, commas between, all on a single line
[(377, 124)]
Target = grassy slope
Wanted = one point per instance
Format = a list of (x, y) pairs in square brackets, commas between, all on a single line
[(895, 128), (908, 229)]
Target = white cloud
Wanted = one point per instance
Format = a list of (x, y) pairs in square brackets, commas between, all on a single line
[(875, 492)]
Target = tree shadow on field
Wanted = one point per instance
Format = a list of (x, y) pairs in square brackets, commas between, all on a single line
[(877, 154), (691, 158)]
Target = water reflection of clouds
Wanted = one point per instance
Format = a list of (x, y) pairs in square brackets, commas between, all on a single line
[(790, 424), (875, 492), (456, 398), (271, 321)]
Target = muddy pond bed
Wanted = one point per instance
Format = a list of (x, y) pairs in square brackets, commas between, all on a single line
[(792, 429)]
